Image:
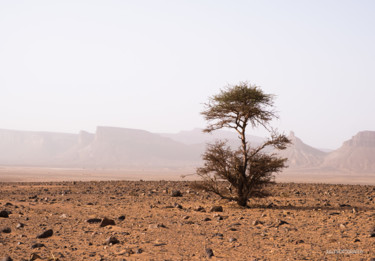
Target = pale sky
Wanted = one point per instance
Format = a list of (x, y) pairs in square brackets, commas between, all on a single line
[(73, 65)]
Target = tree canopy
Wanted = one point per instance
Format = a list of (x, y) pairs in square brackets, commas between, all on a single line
[(247, 168)]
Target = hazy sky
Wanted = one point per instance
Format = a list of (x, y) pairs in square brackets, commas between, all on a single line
[(72, 65)]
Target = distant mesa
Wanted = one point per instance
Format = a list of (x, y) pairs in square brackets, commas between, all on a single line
[(356, 154), (111, 147)]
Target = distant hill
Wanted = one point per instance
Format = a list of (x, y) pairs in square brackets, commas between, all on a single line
[(301, 155), (356, 154), (111, 147), (33, 148), (120, 147)]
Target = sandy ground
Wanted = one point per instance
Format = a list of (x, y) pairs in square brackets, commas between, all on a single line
[(298, 222), (42, 174)]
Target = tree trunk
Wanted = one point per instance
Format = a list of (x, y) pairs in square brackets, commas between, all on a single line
[(241, 197), (242, 201)]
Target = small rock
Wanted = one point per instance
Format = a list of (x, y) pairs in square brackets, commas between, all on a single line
[(112, 240), (93, 220), (372, 259), (139, 251), (121, 218), (107, 222), (34, 256), (7, 258), (6, 230), (156, 226), (45, 234), (200, 209), (8, 204), (342, 226), (300, 242), (185, 217), (64, 216), (207, 219), (372, 234), (257, 222), (176, 193), (160, 244), (280, 222), (218, 235), (38, 245), (209, 252), (333, 213), (20, 225), (176, 205), (232, 239), (356, 240), (216, 209), (4, 214)]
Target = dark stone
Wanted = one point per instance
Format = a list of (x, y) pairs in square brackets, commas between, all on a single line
[(257, 222), (176, 205), (216, 209), (157, 226), (209, 252), (38, 245), (218, 235), (300, 242), (139, 251), (20, 225), (107, 222), (232, 239), (94, 220), (121, 218), (112, 240), (281, 222), (207, 219), (200, 209), (356, 240), (8, 204), (45, 234), (4, 214), (176, 193), (6, 230), (160, 244), (372, 234), (7, 258)]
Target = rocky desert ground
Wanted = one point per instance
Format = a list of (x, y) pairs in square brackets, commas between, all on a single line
[(170, 220)]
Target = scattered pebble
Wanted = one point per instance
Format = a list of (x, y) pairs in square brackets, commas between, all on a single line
[(107, 222), (45, 234), (216, 209), (209, 252)]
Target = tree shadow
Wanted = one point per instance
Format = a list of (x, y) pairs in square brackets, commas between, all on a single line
[(311, 208)]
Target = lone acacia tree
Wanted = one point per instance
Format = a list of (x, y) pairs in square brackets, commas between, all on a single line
[(248, 168)]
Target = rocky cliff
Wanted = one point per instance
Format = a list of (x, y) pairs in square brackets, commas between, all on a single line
[(356, 154)]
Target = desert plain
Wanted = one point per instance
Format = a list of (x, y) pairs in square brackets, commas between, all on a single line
[(170, 220)]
